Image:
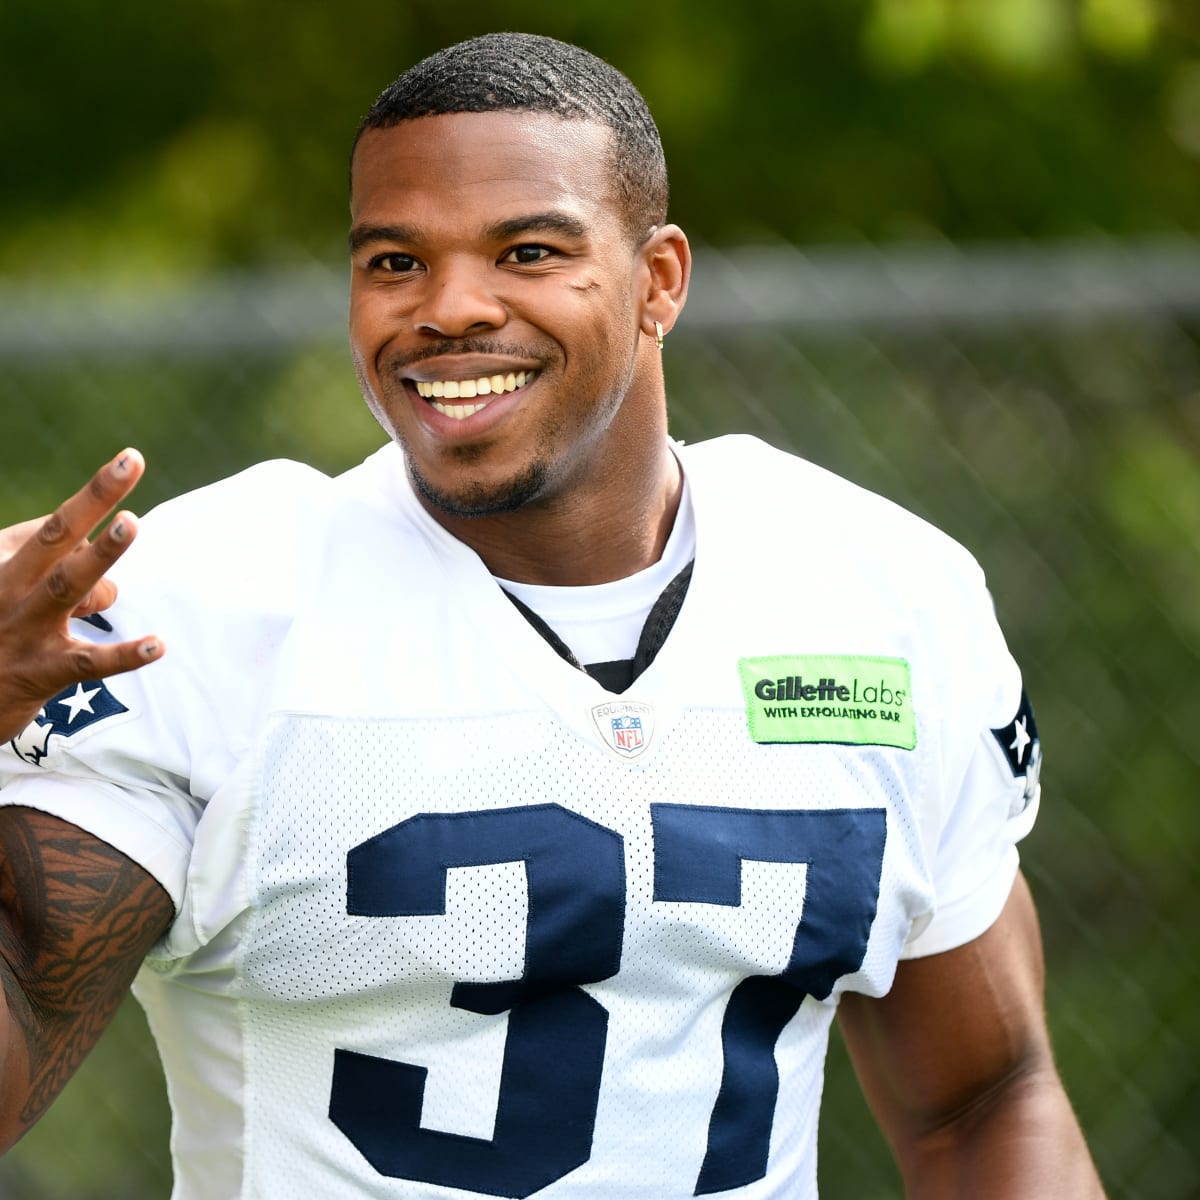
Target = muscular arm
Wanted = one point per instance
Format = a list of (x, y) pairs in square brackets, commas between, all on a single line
[(76, 919), (955, 1062)]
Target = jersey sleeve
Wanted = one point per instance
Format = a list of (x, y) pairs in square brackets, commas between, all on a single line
[(153, 829), (134, 759), (986, 788)]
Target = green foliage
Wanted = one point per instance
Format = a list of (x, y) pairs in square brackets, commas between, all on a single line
[(178, 137)]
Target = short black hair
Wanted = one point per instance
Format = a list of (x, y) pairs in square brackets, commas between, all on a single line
[(525, 72)]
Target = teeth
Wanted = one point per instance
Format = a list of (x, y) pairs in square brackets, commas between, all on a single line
[(468, 389), (459, 411)]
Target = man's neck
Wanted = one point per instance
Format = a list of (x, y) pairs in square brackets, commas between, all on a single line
[(581, 537)]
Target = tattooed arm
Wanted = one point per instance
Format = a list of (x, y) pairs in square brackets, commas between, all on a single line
[(76, 919)]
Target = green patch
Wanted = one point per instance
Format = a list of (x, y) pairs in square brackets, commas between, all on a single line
[(841, 698)]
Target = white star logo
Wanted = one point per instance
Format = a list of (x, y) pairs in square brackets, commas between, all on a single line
[(81, 701), (1021, 740)]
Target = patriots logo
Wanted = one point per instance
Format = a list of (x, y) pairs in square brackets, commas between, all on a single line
[(72, 710), (1021, 747)]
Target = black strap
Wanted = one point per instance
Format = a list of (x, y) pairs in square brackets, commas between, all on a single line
[(618, 675), (661, 620), (560, 647)]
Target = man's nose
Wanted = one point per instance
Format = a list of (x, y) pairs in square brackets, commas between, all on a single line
[(459, 299)]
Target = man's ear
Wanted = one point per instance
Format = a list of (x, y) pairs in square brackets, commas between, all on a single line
[(668, 263)]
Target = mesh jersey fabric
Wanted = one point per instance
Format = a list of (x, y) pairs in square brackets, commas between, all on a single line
[(437, 935)]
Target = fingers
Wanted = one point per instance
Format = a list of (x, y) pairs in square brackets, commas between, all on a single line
[(25, 690), (70, 582), (99, 496), (61, 533), (74, 660), (89, 661), (55, 572)]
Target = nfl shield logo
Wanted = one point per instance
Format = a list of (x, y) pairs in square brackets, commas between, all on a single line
[(626, 727), (627, 733)]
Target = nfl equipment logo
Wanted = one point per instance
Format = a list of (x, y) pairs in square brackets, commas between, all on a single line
[(627, 733), (626, 727)]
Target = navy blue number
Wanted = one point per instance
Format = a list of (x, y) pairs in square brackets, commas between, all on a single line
[(698, 854), (554, 1052)]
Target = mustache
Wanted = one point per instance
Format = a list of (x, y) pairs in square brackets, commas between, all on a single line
[(482, 346)]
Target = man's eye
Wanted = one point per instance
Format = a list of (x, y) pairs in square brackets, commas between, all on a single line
[(397, 264), (527, 254)]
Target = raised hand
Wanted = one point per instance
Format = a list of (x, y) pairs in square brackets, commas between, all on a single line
[(49, 572)]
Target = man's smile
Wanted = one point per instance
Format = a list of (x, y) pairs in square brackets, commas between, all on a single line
[(438, 390)]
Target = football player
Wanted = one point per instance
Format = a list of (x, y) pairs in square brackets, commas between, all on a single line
[(515, 812)]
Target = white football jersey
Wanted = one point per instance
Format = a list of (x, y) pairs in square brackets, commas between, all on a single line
[(452, 920)]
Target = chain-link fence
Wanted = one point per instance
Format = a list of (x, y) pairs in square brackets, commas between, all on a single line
[(1042, 404)]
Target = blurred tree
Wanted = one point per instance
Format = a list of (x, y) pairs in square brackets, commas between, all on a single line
[(179, 137)]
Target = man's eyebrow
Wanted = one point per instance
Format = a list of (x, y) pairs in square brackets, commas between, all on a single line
[(364, 235), (545, 222)]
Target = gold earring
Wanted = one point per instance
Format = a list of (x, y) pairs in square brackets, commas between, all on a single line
[(659, 336)]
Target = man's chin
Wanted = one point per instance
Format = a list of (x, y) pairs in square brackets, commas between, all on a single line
[(473, 498)]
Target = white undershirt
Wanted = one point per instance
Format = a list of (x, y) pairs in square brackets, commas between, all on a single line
[(602, 622)]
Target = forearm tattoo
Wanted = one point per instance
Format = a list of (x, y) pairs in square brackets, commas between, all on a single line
[(76, 919)]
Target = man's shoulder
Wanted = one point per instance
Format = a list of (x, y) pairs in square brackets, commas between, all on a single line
[(272, 486), (260, 530), (756, 485), (259, 504), (757, 468)]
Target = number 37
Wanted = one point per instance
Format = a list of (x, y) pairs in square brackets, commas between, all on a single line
[(554, 1053)]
